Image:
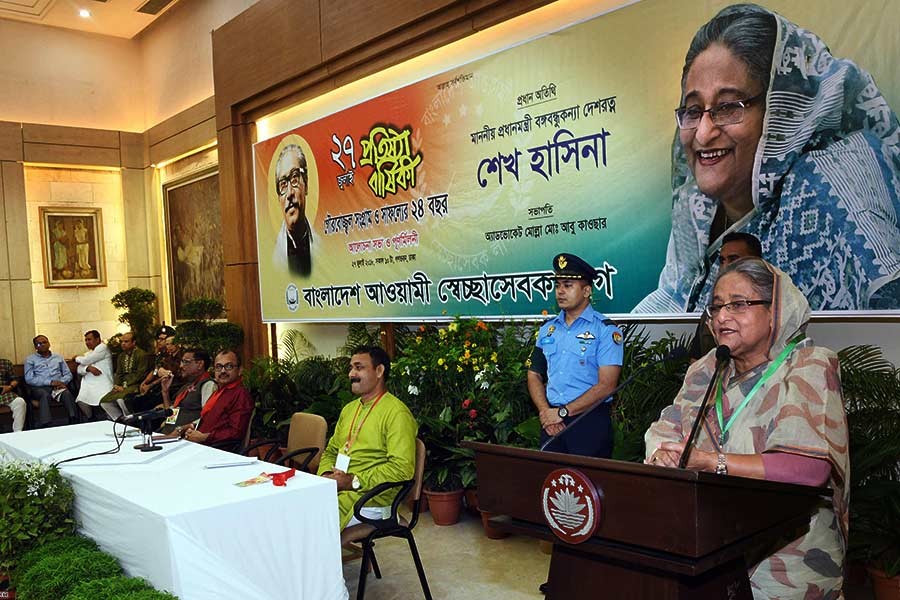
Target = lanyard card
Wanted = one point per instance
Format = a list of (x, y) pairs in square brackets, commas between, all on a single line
[(342, 462)]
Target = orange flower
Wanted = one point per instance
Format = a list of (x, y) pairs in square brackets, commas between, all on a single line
[(481, 325), (544, 312)]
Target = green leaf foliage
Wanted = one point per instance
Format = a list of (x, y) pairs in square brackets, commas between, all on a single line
[(871, 387), (35, 506), (55, 576), (51, 548), (110, 588), (203, 331), (140, 313)]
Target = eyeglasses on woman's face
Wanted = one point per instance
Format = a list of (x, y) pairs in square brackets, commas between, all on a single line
[(726, 113), (736, 308)]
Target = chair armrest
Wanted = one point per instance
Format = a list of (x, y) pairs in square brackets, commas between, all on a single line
[(304, 465), (391, 521), (233, 446), (256, 445)]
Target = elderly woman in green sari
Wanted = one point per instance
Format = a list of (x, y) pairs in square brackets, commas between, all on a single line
[(777, 414)]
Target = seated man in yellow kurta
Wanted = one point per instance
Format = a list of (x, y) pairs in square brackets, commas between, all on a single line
[(374, 440)]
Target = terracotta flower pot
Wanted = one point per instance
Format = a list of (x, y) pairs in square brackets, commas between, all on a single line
[(445, 506), (885, 588), (490, 531), (472, 501)]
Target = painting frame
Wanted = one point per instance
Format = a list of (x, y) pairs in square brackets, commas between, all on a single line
[(193, 233), (73, 253)]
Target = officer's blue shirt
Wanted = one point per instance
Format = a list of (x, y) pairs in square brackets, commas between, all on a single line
[(574, 353)]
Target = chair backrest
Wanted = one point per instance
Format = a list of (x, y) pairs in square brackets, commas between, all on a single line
[(308, 430), (419, 476), (246, 440)]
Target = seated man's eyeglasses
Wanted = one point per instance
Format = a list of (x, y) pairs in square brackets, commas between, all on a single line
[(187, 361), (292, 179), (227, 367), (726, 113), (737, 307)]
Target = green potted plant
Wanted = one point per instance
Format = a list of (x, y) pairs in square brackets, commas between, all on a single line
[(463, 382), (35, 506), (204, 329), (871, 387), (140, 313), (638, 405)]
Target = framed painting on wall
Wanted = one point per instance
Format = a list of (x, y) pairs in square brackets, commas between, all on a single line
[(72, 247), (194, 240)]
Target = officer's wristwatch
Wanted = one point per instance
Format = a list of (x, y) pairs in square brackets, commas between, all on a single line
[(563, 412), (355, 483)]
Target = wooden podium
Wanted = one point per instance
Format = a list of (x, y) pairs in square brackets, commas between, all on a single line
[(662, 533)]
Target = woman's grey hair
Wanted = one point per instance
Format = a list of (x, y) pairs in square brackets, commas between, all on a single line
[(757, 272), (748, 30)]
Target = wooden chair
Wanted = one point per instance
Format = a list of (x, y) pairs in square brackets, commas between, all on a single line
[(395, 525), (305, 443)]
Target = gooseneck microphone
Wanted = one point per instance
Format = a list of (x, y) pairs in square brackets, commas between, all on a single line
[(146, 421), (723, 354), (677, 353)]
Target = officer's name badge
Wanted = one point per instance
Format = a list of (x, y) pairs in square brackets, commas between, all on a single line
[(587, 335), (551, 329)]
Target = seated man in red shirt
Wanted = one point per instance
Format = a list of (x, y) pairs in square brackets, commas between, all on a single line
[(226, 414)]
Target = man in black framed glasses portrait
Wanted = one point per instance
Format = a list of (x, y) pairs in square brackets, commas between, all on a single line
[(292, 246)]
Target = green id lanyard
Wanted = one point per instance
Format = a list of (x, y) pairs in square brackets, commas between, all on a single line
[(724, 427)]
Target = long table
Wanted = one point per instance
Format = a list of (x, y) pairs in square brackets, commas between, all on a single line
[(188, 529)]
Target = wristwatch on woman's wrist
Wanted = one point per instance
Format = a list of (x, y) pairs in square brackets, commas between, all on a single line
[(721, 465)]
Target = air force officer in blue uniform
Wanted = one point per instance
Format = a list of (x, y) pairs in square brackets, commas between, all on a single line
[(575, 364)]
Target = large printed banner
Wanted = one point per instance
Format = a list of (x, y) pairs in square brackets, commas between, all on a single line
[(452, 195)]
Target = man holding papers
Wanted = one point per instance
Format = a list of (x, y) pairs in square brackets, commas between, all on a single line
[(374, 440)]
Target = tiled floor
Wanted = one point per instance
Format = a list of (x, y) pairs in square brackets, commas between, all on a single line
[(461, 563)]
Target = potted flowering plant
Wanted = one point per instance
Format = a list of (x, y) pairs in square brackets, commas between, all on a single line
[(35, 506), (464, 382)]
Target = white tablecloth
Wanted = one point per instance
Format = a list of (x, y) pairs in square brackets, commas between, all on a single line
[(190, 530)]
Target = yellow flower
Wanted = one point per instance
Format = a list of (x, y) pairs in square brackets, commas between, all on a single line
[(459, 369), (440, 361), (445, 367), (467, 343), (442, 332), (418, 339), (528, 363), (493, 357), (452, 326)]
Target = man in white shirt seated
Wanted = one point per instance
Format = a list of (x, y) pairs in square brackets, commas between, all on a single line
[(96, 370)]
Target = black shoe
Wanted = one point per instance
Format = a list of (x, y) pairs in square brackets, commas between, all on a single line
[(544, 588)]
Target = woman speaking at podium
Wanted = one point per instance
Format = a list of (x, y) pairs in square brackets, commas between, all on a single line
[(775, 413)]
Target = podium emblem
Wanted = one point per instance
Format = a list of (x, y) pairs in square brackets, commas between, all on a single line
[(571, 505)]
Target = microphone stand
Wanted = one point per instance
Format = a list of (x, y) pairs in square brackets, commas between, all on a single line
[(723, 353), (147, 430), (675, 354)]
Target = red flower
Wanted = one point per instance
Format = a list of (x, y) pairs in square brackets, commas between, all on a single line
[(466, 403), (473, 413)]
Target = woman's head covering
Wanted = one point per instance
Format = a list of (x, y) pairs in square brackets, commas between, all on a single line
[(790, 311)]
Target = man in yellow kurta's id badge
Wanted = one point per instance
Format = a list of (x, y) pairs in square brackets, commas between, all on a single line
[(342, 462)]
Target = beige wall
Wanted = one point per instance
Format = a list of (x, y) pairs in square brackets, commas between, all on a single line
[(176, 55), (65, 77), (62, 77), (64, 314)]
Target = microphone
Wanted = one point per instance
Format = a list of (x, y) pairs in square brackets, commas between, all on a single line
[(157, 414), (723, 353), (677, 353)]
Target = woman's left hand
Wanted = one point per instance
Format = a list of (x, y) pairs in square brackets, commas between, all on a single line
[(669, 455)]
